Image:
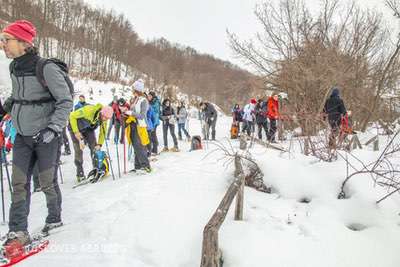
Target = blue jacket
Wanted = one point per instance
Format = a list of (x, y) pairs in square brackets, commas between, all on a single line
[(80, 105), (151, 119), (156, 107)]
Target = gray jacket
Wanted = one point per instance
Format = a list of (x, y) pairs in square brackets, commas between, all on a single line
[(29, 119), (182, 115), (210, 112)]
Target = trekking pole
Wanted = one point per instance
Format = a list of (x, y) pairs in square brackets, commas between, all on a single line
[(109, 157), (6, 167), (124, 142), (2, 188), (118, 164)]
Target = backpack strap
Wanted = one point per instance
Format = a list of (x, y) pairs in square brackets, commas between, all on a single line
[(40, 72), (11, 67)]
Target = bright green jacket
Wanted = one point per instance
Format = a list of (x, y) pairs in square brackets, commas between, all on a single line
[(90, 113)]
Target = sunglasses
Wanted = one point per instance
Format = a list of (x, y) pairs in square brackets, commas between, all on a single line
[(5, 40)]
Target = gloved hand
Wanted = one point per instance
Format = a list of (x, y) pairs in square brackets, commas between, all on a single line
[(9, 146), (45, 136)]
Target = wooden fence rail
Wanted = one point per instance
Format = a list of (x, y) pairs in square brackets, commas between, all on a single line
[(211, 255)]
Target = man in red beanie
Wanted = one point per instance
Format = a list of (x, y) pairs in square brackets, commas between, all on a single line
[(39, 115)]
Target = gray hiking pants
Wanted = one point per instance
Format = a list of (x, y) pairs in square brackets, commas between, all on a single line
[(89, 137), (26, 154)]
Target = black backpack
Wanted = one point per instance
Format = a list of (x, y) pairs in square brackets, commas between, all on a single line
[(61, 64), (40, 77)]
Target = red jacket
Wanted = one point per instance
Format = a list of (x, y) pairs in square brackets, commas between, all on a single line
[(116, 110), (273, 108)]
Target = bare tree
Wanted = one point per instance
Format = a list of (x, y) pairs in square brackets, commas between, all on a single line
[(305, 55)]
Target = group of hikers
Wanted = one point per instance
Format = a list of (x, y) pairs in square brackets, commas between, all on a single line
[(41, 112), (259, 112), (266, 113)]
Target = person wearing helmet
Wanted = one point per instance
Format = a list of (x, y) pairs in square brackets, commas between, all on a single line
[(82, 125)]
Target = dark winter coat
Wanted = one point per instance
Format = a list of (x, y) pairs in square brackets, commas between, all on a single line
[(335, 109), (237, 114), (210, 113), (261, 112), (167, 113)]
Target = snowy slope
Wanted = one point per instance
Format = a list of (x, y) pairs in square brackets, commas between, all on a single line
[(158, 219), (5, 82)]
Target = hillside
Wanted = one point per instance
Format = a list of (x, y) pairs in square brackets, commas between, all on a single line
[(158, 219), (101, 45)]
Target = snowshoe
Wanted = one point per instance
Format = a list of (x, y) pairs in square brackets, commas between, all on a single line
[(174, 149), (19, 248), (165, 149), (50, 226), (142, 171), (80, 178), (95, 175)]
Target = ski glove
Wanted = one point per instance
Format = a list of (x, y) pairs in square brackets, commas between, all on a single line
[(45, 136)]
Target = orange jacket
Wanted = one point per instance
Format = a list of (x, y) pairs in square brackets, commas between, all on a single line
[(273, 108)]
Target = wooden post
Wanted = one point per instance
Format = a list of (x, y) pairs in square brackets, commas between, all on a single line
[(371, 140), (306, 146), (243, 143), (211, 255), (240, 195)]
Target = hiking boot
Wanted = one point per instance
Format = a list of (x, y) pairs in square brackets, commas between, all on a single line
[(66, 153), (80, 177), (147, 169), (50, 226), (175, 149), (22, 238), (165, 149)]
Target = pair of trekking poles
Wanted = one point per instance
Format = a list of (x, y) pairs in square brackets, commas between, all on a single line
[(3, 162), (117, 152)]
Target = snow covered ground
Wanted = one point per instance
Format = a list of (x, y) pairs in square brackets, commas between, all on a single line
[(158, 219)]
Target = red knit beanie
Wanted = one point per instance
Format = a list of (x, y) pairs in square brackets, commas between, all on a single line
[(253, 101), (22, 30)]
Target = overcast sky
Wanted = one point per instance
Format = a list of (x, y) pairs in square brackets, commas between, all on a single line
[(200, 24)]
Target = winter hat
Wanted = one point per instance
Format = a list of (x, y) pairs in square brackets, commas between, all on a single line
[(253, 101), (138, 85), (106, 112), (335, 92), (22, 30)]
